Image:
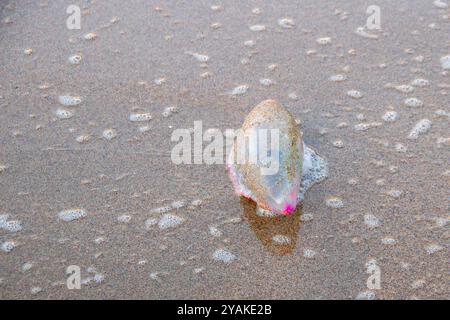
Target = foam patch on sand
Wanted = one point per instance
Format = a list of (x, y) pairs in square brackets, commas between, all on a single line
[(315, 170)]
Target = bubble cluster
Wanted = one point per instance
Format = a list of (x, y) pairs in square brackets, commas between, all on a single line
[(433, 248), (281, 239), (223, 255), (286, 23), (421, 127), (257, 28), (140, 117), (109, 134), (239, 90), (90, 36), (324, 40), (334, 202), (390, 116), (69, 101), (71, 214), (355, 94), (169, 221), (371, 221), (75, 59), (9, 225), (413, 102), (63, 114), (8, 246), (445, 62)]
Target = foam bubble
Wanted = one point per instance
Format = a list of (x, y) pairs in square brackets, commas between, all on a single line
[(169, 111), (334, 202), (143, 129), (249, 43), (72, 214), (199, 57), (216, 25), (90, 36), (8, 246), (233, 220), (214, 231), (413, 102), (36, 290), (69, 101), (224, 256), (256, 11), (360, 31), (422, 127), (324, 40), (150, 223), (419, 59), (371, 221), (27, 266), (399, 147), (266, 82), (169, 221), (394, 193), (445, 62), (198, 270), (216, 8), (196, 202), (75, 59), (338, 144), (84, 138), (281, 239), (63, 114), (405, 88), (9, 225), (419, 82), (265, 213), (257, 28), (293, 96), (355, 94), (309, 253), (366, 126), (388, 241), (124, 218), (314, 170), (161, 209), (286, 23), (440, 4), (109, 134), (159, 81), (433, 248), (366, 295), (239, 90), (390, 116), (140, 117), (418, 284), (337, 78)]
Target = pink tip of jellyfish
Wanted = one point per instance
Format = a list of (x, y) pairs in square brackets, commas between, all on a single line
[(288, 209)]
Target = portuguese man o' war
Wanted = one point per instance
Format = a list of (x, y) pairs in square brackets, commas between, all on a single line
[(298, 166)]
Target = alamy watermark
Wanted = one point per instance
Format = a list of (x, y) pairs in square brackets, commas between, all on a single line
[(373, 22), (374, 279), (74, 277), (258, 146), (73, 22)]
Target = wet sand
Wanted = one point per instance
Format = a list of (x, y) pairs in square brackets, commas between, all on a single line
[(385, 201)]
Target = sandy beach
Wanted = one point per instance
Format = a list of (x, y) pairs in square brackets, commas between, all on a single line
[(87, 180)]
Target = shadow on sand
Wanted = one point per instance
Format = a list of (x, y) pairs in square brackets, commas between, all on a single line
[(266, 228)]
